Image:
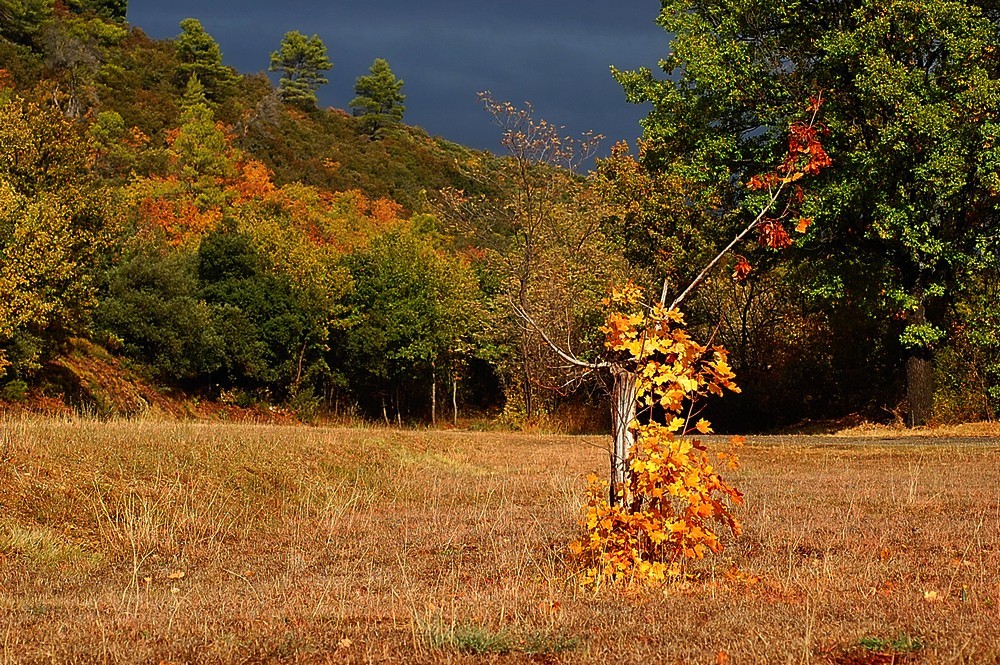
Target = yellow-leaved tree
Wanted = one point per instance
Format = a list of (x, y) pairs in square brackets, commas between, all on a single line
[(666, 500)]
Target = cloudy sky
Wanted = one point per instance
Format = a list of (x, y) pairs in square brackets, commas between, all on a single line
[(554, 53)]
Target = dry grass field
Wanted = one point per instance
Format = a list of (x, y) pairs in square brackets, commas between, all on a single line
[(146, 542)]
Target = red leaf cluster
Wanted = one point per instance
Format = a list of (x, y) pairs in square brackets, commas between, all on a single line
[(772, 234)]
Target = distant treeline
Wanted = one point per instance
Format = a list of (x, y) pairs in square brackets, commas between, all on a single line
[(227, 238)]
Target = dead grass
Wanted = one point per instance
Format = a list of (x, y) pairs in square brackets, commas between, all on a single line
[(372, 545), (874, 430)]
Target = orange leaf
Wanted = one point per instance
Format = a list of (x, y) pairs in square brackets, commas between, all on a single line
[(742, 269), (803, 224)]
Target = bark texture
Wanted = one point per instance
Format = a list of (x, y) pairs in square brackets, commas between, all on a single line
[(623, 396)]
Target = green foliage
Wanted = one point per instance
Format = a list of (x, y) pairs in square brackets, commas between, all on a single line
[(21, 20), (115, 10), (301, 61), (912, 91), (151, 307), (14, 391), (967, 368), (923, 336), (379, 101), (414, 309), (75, 49), (903, 644), (201, 57), (200, 147), (273, 334), (53, 217)]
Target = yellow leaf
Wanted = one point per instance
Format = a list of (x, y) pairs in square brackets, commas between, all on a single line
[(703, 426), (176, 575), (676, 424)]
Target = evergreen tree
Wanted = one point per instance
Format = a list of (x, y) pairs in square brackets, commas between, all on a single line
[(200, 54), (111, 9), (379, 100), (301, 61)]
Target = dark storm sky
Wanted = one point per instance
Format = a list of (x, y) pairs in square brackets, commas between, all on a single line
[(554, 53)]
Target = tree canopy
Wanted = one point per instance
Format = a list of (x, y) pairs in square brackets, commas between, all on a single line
[(912, 92), (379, 98), (301, 61)]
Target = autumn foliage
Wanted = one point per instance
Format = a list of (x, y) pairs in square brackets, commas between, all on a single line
[(669, 503), (673, 503)]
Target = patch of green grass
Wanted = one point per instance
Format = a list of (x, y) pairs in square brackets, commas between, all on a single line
[(467, 638), (901, 644), (478, 640), (42, 545)]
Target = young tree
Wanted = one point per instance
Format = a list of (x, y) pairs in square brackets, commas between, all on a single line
[(666, 496), (379, 101), (539, 231), (201, 56), (910, 209), (301, 61)]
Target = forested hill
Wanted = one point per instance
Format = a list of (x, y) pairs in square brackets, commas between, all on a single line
[(92, 65), (173, 231)]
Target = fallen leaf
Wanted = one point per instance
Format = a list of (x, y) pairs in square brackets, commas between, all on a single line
[(932, 597), (176, 575), (344, 643)]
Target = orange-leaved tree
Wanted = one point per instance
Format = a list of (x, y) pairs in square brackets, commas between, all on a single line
[(666, 499)]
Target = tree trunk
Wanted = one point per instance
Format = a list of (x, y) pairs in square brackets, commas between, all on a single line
[(399, 413), (919, 388), (919, 379), (454, 400), (434, 399), (526, 380), (622, 414)]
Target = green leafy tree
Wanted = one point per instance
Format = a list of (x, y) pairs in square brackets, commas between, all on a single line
[(301, 61), (53, 232), (272, 333), (416, 311), (200, 56), (379, 101), (151, 308), (909, 209)]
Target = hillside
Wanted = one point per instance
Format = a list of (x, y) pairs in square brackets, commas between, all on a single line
[(224, 238)]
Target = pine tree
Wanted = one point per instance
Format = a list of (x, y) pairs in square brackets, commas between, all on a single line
[(301, 61), (379, 100), (200, 55)]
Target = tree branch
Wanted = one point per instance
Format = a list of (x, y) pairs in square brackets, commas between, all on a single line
[(562, 353)]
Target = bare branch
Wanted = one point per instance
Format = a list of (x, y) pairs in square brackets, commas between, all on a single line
[(718, 257), (562, 353)]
